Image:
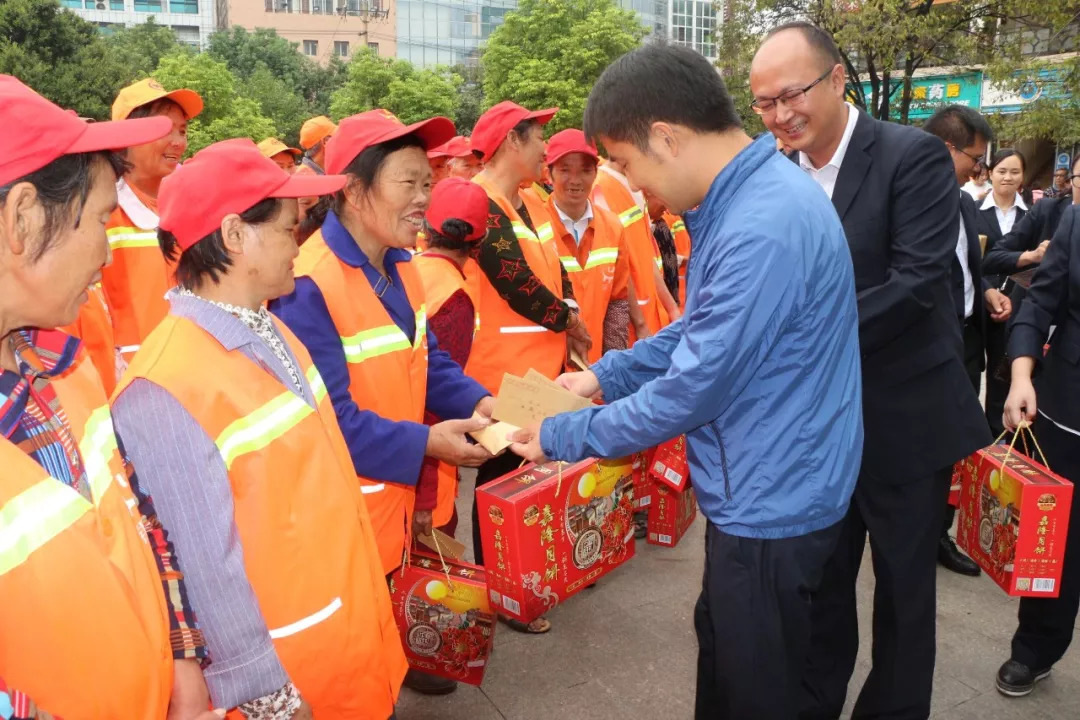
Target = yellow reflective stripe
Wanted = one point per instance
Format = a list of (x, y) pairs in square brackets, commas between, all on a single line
[(262, 426), (631, 216), (34, 517), (131, 237), (545, 232), (570, 263), (421, 326), (602, 256), (678, 226), (659, 264), (367, 344), (97, 447), (318, 387), (522, 231)]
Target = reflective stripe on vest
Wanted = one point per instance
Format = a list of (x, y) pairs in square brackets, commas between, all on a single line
[(131, 237), (34, 517), (659, 264), (598, 257), (97, 446), (304, 623), (678, 226), (264, 425), (368, 344), (543, 233), (630, 216), (515, 329)]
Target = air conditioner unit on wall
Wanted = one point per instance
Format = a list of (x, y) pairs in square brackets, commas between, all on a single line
[(100, 5)]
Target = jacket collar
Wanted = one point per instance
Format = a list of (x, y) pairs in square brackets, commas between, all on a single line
[(728, 181), (857, 161), (129, 202)]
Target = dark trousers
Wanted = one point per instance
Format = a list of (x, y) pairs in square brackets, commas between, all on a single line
[(1046, 624), (904, 524), (998, 374), (753, 622), (973, 363), (493, 469)]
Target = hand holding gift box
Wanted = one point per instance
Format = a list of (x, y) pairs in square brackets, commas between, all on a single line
[(1014, 519)]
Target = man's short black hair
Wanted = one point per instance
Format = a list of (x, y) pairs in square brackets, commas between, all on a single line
[(819, 40), (658, 83), (959, 126)]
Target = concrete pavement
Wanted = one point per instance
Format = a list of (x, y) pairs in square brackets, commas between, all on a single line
[(626, 649)]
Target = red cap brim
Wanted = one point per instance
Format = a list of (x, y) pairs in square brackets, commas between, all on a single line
[(433, 132), (298, 186), (542, 116), (120, 134)]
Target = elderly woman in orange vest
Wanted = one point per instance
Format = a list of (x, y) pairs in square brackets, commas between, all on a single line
[(138, 277), (85, 626), (455, 222), (359, 307), (243, 454)]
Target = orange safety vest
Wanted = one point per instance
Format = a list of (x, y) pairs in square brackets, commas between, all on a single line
[(309, 550), (591, 266), (507, 342), (138, 277), (644, 253), (94, 328), (84, 628), (441, 279), (682, 248), (387, 372)]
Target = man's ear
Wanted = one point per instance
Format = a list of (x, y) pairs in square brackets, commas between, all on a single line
[(664, 139)]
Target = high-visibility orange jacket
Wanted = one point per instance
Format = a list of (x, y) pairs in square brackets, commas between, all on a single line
[(309, 550), (598, 268), (387, 372), (84, 628), (441, 279), (138, 277), (506, 342), (682, 248), (644, 254), (94, 327)]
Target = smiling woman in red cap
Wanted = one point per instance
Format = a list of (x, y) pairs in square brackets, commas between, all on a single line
[(86, 627), (360, 309), (454, 223), (136, 280), (245, 459)]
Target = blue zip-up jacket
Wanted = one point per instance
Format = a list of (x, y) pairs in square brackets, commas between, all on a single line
[(761, 373)]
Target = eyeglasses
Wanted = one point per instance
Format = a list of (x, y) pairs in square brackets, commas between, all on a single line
[(790, 98), (1075, 180), (979, 160)]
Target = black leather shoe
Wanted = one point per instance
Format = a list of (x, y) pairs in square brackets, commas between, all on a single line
[(426, 684), (1016, 679), (950, 557)]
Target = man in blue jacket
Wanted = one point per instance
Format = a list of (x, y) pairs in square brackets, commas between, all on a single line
[(761, 373)]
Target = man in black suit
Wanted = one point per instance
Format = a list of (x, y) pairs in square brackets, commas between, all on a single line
[(894, 188), (966, 134)]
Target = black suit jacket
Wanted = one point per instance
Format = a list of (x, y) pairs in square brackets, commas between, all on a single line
[(898, 200), (1054, 299), (987, 224), (974, 254), (1026, 234)]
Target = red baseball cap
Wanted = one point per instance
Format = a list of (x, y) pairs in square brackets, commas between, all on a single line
[(493, 126), (566, 142), (460, 199), (34, 131), (228, 177), (359, 132), (456, 147)]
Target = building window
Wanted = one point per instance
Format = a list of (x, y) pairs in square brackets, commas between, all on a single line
[(311, 48), (187, 7), (374, 47), (341, 48), (148, 6), (73, 4)]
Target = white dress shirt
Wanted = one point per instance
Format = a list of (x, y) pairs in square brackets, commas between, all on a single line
[(577, 227), (975, 190), (1006, 218), (969, 285), (826, 175)]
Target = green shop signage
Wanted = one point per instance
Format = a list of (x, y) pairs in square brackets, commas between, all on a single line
[(928, 93)]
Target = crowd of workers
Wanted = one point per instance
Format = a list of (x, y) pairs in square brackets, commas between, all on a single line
[(270, 359)]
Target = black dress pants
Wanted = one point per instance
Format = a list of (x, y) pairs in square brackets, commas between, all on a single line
[(753, 622), (903, 521)]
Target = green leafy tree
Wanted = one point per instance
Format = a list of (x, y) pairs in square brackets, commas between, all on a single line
[(367, 83), (60, 55), (225, 114), (470, 98), (141, 47), (422, 95), (277, 102), (1055, 114), (551, 52)]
